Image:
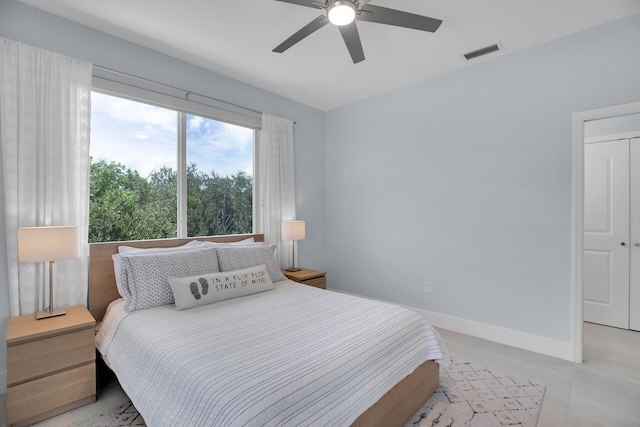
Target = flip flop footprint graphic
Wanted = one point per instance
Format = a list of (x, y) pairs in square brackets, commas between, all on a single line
[(194, 288), (205, 285)]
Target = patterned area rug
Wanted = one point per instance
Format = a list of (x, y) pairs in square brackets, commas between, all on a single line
[(469, 395), (125, 415)]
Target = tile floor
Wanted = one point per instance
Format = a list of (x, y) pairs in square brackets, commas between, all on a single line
[(603, 391)]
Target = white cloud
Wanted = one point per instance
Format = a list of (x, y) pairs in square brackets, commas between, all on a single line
[(234, 137), (123, 110), (219, 136), (195, 122)]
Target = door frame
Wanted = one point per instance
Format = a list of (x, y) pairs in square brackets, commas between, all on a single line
[(577, 213)]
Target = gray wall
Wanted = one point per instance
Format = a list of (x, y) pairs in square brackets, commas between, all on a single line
[(32, 26), (465, 180), (612, 125)]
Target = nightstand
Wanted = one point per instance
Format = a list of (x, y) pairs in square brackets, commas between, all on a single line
[(50, 365), (308, 277)]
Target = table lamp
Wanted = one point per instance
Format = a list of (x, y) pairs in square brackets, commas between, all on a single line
[(42, 244), (292, 230)]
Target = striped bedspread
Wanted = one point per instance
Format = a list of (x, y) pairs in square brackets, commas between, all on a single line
[(294, 356)]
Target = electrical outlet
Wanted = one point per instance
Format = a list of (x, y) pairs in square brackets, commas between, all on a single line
[(427, 287)]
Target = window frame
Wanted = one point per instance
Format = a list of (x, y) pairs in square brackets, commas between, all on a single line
[(183, 107)]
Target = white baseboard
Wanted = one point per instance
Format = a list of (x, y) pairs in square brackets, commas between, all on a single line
[(513, 338)]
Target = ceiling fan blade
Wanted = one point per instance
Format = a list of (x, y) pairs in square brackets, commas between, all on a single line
[(383, 15), (352, 40), (305, 31), (306, 3)]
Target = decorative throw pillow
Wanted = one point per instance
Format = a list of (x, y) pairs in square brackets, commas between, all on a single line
[(147, 275), (237, 257), (202, 289)]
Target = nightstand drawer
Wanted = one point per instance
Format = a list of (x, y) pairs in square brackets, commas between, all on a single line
[(39, 358), (31, 400), (318, 282)]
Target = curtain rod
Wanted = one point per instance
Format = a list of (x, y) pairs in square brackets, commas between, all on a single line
[(187, 92)]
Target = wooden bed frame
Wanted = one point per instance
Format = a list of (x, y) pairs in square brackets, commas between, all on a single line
[(394, 409)]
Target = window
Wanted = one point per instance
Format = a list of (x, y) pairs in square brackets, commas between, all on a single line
[(160, 172), (219, 178)]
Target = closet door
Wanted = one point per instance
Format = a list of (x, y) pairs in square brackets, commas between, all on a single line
[(606, 233), (634, 291)]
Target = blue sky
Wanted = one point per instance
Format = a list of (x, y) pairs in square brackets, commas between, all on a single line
[(144, 138)]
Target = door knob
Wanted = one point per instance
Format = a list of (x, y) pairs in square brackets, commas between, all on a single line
[(636, 244), (623, 243)]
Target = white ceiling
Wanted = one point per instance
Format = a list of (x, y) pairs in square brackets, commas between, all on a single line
[(235, 38)]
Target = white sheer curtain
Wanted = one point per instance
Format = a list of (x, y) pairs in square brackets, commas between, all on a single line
[(44, 115), (275, 187)]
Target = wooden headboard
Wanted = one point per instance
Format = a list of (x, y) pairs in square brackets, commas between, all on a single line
[(102, 279)]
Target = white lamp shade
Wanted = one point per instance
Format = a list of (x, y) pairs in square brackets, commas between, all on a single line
[(292, 230), (41, 244)]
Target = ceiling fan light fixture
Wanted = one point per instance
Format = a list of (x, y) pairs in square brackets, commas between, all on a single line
[(341, 12)]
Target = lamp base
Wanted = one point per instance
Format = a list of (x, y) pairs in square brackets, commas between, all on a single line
[(293, 269), (46, 314)]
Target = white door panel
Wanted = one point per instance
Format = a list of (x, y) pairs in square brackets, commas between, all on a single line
[(598, 277), (597, 183), (606, 237), (634, 191)]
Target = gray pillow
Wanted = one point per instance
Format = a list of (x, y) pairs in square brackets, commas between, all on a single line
[(147, 275), (238, 257), (123, 251)]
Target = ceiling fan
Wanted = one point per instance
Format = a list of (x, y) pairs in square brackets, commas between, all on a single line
[(344, 13)]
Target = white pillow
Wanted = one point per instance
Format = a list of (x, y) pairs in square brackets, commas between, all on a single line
[(232, 258), (187, 246), (249, 241), (146, 275), (202, 289), (121, 276)]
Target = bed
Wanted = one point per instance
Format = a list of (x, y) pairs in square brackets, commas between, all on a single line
[(292, 330)]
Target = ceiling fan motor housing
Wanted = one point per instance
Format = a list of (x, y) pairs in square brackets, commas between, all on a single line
[(342, 12)]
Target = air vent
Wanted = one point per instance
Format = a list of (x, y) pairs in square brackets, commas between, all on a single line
[(484, 51)]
